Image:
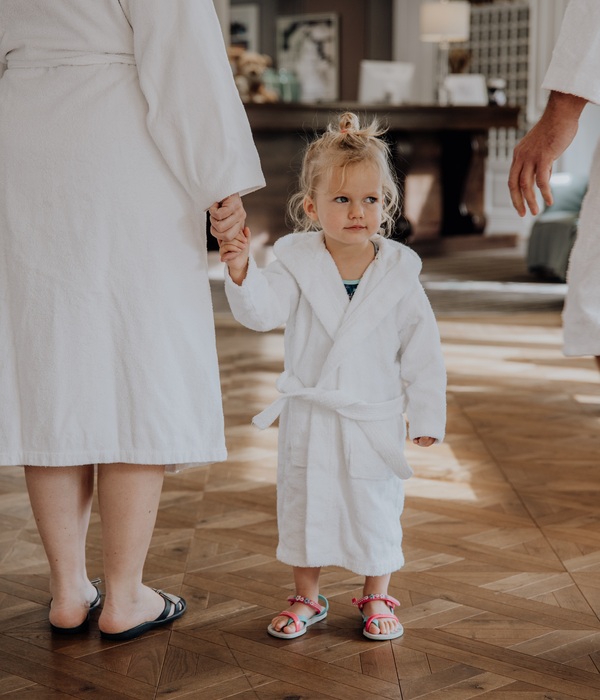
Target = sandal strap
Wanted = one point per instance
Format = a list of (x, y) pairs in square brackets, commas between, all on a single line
[(172, 605), (387, 599), (296, 619), (306, 601)]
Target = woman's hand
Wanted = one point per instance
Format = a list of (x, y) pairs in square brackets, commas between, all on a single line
[(227, 218)]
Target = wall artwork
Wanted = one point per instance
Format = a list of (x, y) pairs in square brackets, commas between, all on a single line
[(244, 26), (307, 45)]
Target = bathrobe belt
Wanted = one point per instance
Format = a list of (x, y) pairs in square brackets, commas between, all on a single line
[(72, 59), (368, 416)]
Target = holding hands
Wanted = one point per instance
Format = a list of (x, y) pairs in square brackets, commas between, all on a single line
[(227, 218), (235, 254)]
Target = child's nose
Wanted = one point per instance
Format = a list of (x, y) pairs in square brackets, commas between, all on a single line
[(356, 211)]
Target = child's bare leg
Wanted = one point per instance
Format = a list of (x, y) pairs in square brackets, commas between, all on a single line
[(307, 585), (378, 584)]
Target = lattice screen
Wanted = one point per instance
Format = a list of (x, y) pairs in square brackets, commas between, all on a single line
[(499, 45)]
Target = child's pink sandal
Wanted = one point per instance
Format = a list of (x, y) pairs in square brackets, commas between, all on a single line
[(374, 619), (321, 611)]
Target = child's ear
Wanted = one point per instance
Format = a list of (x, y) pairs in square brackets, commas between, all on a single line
[(310, 209)]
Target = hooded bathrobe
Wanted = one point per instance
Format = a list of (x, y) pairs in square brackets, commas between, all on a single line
[(574, 69), (120, 124), (351, 370)]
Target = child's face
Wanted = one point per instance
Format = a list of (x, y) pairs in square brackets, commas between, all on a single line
[(349, 204)]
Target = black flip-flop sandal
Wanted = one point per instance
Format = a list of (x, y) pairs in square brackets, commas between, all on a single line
[(175, 606)]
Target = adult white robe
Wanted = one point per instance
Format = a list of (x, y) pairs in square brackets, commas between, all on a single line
[(574, 69), (120, 124), (351, 370)]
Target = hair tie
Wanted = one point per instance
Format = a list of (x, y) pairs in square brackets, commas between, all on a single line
[(343, 131)]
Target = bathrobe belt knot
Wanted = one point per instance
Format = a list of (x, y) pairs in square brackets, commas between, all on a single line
[(364, 416)]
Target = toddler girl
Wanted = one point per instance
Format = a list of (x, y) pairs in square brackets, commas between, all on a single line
[(361, 349)]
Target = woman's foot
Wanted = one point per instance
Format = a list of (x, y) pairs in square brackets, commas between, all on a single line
[(145, 606), (70, 608)]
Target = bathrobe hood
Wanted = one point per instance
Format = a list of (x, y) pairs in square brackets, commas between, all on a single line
[(305, 257)]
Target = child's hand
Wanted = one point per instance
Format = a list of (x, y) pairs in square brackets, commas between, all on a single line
[(424, 441), (235, 254)]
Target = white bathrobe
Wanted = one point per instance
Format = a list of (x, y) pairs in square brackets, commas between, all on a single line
[(351, 369), (120, 124), (574, 69)]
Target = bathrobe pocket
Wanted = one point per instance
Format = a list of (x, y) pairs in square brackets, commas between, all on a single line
[(375, 449), (297, 430)]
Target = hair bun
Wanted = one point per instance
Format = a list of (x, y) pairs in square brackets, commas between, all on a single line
[(348, 122)]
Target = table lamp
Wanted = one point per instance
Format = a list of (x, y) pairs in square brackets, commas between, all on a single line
[(442, 23)]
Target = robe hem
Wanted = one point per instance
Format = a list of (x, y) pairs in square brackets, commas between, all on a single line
[(350, 565), (581, 351), (174, 461)]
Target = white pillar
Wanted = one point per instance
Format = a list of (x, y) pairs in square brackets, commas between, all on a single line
[(407, 46), (222, 8)]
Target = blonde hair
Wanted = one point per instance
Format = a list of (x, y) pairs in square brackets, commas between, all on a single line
[(341, 145)]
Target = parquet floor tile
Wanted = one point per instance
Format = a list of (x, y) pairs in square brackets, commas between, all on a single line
[(500, 595)]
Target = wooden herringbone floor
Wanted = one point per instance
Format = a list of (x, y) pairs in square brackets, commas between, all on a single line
[(501, 591)]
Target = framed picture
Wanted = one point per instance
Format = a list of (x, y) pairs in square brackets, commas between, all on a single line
[(466, 89), (244, 26), (385, 82), (307, 45)]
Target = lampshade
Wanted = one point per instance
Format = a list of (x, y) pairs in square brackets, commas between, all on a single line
[(445, 21)]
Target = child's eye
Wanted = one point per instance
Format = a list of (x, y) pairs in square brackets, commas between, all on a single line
[(341, 200), (371, 200)]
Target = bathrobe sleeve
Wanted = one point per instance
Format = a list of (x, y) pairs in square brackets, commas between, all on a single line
[(422, 370), (265, 299), (576, 56), (195, 114)]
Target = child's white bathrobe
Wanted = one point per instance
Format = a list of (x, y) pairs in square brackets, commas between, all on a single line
[(351, 369), (574, 69), (120, 123)]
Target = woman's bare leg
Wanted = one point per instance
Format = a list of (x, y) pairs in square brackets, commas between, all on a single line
[(128, 496), (378, 584), (61, 500), (307, 585)]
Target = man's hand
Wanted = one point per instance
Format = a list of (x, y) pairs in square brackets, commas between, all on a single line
[(536, 152)]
